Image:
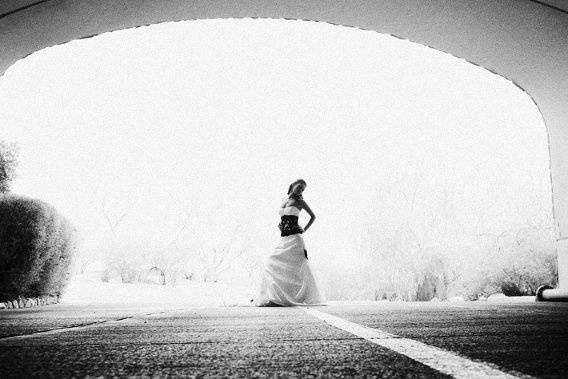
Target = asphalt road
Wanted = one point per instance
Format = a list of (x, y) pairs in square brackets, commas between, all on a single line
[(62, 341)]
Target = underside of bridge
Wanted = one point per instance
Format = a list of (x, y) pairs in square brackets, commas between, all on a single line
[(525, 41)]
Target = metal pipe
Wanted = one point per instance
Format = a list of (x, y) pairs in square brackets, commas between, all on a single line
[(547, 293)]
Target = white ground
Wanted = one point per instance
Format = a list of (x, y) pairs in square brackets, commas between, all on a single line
[(89, 290)]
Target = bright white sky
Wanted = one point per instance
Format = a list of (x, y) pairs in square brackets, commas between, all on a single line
[(214, 118)]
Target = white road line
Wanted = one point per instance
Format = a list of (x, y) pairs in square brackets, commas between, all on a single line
[(439, 359), (137, 318), (65, 329)]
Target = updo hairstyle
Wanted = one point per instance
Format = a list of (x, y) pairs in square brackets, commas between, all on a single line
[(293, 195)]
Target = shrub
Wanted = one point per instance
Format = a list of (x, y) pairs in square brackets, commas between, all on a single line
[(8, 163), (479, 285), (36, 248), (514, 263), (527, 271)]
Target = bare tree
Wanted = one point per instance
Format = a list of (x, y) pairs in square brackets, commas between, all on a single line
[(169, 261), (252, 263), (217, 259), (118, 262)]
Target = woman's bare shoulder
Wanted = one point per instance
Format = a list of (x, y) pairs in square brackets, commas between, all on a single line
[(298, 203)]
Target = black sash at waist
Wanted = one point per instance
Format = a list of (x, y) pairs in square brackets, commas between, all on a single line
[(289, 225)]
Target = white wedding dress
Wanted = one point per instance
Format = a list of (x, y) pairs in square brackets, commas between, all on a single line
[(287, 278)]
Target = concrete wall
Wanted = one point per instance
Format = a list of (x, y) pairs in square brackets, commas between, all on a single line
[(523, 40)]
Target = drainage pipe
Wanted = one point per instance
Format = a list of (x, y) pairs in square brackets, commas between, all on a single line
[(547, 293)]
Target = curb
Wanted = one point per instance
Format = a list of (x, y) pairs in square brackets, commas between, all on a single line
[(32, 302)]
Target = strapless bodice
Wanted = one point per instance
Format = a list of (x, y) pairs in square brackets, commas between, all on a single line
[(289, 211), (289, 221)]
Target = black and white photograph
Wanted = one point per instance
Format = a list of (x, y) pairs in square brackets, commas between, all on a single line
[(283, 189)]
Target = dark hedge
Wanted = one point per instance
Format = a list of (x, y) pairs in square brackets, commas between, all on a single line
[(36, 248)]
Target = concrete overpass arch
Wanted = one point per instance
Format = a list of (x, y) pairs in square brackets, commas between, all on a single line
[(524, 41)]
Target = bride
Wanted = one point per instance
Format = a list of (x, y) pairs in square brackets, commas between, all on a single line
[(287, 278)]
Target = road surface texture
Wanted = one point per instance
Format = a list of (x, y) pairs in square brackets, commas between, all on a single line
[(389, 340)]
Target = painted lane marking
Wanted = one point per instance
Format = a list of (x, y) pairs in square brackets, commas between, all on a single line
[(62, 330), (131, 319), (434, 357)]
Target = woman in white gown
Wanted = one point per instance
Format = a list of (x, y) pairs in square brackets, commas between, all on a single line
[(287, 278)]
